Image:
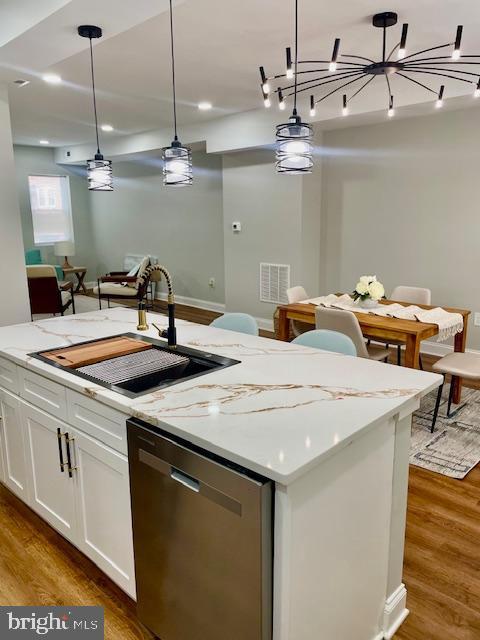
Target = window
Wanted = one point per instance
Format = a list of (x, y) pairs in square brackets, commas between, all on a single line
[(51, 209)]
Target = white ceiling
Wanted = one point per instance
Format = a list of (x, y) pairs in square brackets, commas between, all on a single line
[(219, 46)]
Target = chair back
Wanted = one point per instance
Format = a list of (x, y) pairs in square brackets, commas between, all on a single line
[(33, 256), (296, 294), (43, 290), (240, 322), (328, 341), (344, 322), (413, 295)]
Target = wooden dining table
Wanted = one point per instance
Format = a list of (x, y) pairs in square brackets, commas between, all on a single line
[(408, 332)]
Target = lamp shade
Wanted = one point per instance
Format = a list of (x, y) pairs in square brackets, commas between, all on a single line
[(64, 248)]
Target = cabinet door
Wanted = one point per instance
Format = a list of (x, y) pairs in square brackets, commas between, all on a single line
[(13, 445), (52, 490), (103, 507)]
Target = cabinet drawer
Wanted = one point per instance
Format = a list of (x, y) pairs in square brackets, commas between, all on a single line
[(43, 393), (98, 420), (9, 375)]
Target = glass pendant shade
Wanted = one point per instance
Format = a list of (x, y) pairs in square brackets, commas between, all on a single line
[(99, 174), (294, 147), (177, 165)]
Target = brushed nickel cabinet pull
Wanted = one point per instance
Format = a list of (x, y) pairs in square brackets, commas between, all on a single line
[(68, 440)]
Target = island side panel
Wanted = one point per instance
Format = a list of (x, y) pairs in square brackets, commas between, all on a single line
[(332, 543), (396, 596)]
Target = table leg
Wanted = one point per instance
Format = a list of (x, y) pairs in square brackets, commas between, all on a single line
[(80, 285), (412, 352), (459, 345), (283, 325)]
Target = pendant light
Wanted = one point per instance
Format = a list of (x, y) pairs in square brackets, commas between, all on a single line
[(99, 170), (294, 139), (177, 159)]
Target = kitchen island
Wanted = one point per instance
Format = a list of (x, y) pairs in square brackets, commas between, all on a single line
[(331, 431)]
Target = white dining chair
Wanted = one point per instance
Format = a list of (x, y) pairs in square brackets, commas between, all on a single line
[(347, 323), (412, 295), (298, 294)]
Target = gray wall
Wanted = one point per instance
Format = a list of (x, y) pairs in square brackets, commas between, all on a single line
[(14, 306), (181, 226), (400, 200), (280, 218), (40, 160)]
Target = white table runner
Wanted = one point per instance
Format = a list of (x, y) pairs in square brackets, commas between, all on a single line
[(448, 323)]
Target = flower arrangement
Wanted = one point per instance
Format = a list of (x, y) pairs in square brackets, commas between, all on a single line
[(368, 291)]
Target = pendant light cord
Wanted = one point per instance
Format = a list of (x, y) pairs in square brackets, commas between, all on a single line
[(94, 98), (296, 57), (173, 73)]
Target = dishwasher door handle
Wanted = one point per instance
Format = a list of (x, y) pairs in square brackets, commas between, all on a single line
[(186, 480)]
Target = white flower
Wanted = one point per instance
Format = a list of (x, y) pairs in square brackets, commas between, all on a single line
[(361, 288), (376, 290), (368, 279)]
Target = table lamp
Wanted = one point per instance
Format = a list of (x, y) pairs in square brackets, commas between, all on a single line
[(65, 248)]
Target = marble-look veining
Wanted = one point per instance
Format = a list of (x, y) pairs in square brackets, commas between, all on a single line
[(282, 409)]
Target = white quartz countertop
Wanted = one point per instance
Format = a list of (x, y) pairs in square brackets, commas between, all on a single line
[(279, 412)]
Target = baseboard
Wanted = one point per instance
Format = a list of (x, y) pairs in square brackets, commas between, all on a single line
[(263, 323), (194, 302), (395, 612)]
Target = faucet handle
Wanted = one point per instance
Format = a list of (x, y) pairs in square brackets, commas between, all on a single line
[(161, 332)]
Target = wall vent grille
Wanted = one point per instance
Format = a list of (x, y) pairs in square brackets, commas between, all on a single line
[(274, 282)]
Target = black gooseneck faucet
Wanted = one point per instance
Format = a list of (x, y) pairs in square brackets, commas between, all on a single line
[(171, 332)]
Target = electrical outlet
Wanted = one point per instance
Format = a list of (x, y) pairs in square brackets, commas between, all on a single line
[(211, 282), (236, 226), (476, 319)]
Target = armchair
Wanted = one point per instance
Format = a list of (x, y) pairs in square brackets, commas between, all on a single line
[(123, 285), (46, 294)]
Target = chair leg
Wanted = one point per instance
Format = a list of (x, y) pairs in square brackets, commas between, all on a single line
[(399, 355), (450, 395), (420, 361), (437, 405), (73, 304), (108, 303)]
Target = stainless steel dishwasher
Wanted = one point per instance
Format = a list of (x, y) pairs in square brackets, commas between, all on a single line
[(202, 530)]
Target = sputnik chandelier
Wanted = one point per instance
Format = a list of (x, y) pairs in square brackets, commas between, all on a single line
[(343, 70)]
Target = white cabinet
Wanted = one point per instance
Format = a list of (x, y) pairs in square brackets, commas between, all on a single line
[(52, 492), (12, 445), (103, 506), (72, 479)]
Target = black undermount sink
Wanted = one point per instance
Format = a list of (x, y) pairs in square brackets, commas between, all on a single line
[(195, 363)]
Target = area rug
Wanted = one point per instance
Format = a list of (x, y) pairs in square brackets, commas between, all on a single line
[(83, 304), (453, 449)]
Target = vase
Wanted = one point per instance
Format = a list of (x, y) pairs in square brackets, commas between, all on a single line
[(368, 303)]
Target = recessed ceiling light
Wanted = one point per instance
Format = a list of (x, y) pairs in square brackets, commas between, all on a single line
[(44, 141), (52, 78), (204, 106), (107, 127), (21, 83)]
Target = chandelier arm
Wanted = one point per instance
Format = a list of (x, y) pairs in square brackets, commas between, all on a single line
[(388, 87), (345, 55), (412, 55), (417, 82), (393, 51), (354, 64), (327, 81), (435, 73), (440, 60), (331, 75), (361, 88), (467, 73), (340, 87)]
